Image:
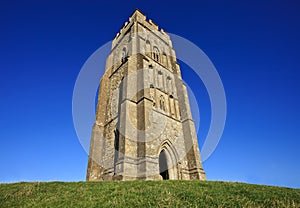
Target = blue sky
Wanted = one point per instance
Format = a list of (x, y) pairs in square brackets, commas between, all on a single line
[(254, 45)]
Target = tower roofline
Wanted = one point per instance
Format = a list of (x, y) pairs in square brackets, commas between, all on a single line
[(137, 11), (138, 16)]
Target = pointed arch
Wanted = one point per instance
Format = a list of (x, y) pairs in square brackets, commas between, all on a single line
[(164, 59), (148, 48), (171, 158), (162, 103), (155, 54), (124, 54)]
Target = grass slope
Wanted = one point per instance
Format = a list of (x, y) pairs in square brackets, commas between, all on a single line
[(146, 194)]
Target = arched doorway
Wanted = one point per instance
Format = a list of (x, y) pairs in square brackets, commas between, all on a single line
[(163, 165), (167, 161)]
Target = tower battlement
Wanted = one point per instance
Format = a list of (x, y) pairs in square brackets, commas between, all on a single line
[(139, 17)]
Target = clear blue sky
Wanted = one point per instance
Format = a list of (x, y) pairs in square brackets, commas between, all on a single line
[(254, 45)]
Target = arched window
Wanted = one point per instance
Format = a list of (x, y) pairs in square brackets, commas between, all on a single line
[(169, 85), (171, 105), (156, 54), (124, 54), (148, 48), (162, 103), (160, 80), (164, 59)]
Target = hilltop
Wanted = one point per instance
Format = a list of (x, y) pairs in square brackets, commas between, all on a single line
[(146, 194)]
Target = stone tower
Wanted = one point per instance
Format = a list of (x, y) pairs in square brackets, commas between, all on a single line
[(143, 128)]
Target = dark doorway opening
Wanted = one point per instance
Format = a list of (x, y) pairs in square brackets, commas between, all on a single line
[(163, 166)]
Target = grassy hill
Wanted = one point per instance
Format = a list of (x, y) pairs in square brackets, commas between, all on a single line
[(146, 194)]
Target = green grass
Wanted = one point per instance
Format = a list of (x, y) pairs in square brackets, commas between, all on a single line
[(146, 194)]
